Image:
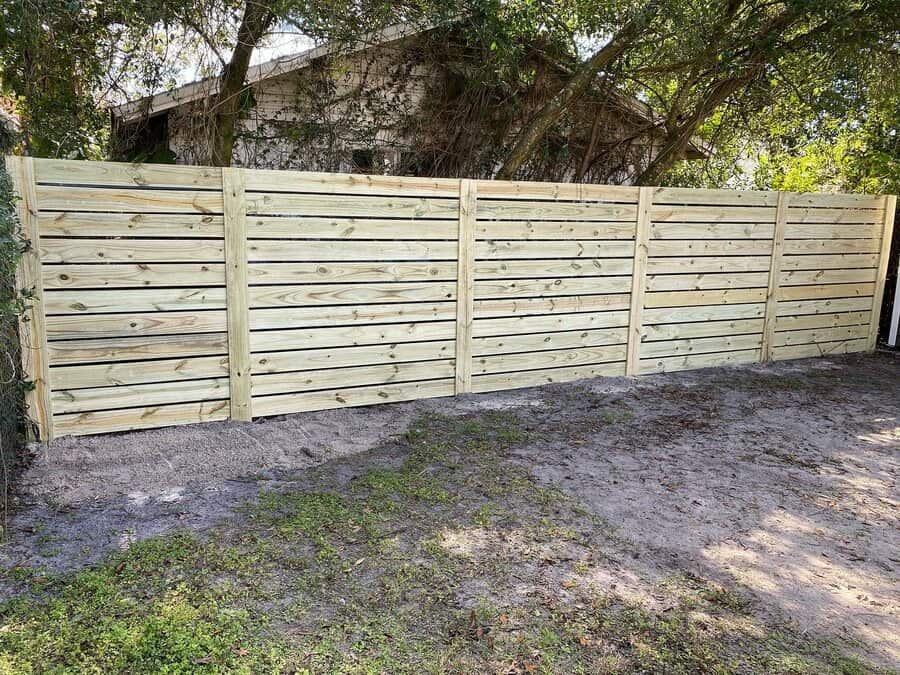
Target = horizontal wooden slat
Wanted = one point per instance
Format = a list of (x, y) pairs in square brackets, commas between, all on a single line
[(307, 317), (506, 209), (674, 331), (543, 323), (381, 251), (511, 269), (306, 359), (828, 262), (800, 307), (73, 224), (132, 275), (728, 296), (54, 198), (689, 196), (545, 288), (842, 215), (811, 277), (708, 313), (677, 282), (123, 250), (350, 228), (301, 272), (713, 247), (138, 372), (564, 191), (348, 336), (553, 249), (139, 418), (686, 346), (712, 231), (704, 265), (343, 398), (826, 291), (313, 380), (712, 214), (350, 206), (127, 349), (806, 246), (843, 201), (122, 174), (139, 324), (129, 396), (133, 300), (507, 344), (819, 349), (564, 304), (350, 294), (504, 363), (802, 337), (343, 184), (676, 363), (534, 378), (827, 231), (549, 229), (822, 320)]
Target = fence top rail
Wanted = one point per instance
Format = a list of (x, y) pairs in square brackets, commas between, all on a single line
[(145, 175)]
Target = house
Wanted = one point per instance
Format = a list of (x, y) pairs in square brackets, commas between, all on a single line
[(406, 101)]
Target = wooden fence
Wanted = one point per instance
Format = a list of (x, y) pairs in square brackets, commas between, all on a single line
[(168, 295)]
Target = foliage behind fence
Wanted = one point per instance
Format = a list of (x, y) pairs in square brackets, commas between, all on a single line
[(168, 295)]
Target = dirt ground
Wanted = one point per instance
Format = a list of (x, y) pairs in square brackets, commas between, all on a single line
[(779, 482)]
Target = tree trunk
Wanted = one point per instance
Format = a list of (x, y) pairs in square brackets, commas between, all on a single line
[(577, 85), (257, 19)]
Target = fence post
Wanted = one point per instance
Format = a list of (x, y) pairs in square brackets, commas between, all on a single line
[(890, 207), (771, 319), (638, 281), (32, 329), (237, 293), (465, 284)]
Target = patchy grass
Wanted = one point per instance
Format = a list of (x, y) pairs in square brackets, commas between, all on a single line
[(439, 554)]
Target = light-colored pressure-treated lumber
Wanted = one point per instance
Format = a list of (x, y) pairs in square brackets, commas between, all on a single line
[(125, 200), (349, 228), (890, 208), (534, 378), (349, 397), (32, 330), (133, 275), (179, 226), (638, 280), (350, 315), (379, 374), (509, 344), (120, 174), (772, 293), (170, 295), (465, 290), (237, 292), (349, 272)]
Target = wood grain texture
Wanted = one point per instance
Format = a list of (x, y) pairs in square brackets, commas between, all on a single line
[(890, 208), (238, 304), (638, 280), (466, 287), (772, 291), (32, 330)]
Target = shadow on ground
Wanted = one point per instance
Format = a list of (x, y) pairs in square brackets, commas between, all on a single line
[(731, 520)]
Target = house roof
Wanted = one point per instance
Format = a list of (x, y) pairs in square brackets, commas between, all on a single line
[(148, 106), (157, 103)]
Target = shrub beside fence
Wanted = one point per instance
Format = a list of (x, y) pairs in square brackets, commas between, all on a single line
[(169, 295)]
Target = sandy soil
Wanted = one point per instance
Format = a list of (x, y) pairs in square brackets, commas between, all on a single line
[(781, 480)]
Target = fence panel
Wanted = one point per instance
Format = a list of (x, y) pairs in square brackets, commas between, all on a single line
[(170, 295)]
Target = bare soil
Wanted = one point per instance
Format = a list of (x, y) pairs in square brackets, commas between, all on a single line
[(778, 481)]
